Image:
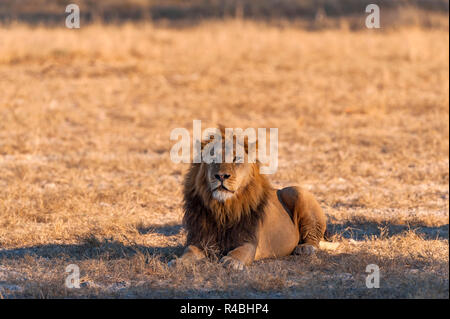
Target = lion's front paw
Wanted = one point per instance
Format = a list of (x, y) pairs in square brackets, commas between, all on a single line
[(305, 250), (232, 263)]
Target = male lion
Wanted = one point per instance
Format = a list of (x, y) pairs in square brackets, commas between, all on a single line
[(231, 209)]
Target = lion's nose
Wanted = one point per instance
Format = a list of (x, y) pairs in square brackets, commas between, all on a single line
[(222, 177)]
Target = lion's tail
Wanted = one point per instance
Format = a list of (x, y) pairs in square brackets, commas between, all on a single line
[(327, 243)]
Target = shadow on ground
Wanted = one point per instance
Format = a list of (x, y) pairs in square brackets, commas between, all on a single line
[(105, 249), (166, 229), (94, 248), (359, 231), (340, 275), (91, 247)]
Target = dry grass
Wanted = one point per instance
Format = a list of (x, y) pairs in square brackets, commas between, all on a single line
[(85, 174)]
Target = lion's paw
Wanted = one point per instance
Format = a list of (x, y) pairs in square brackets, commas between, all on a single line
[(305, 250), (232, 263)]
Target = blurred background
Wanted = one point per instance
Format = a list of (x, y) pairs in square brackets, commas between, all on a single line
[(309, 13)]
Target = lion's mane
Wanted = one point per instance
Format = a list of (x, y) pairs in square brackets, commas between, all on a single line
[(221, 226)]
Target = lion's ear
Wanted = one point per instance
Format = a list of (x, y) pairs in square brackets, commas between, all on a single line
[(202, 143), (252, 148), (222, 129), (211, 136), (250, 145)]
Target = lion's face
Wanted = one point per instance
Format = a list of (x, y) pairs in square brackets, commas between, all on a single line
[(227, 188), (227, 179)]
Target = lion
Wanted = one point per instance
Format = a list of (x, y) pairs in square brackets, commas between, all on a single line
[(231, 211)]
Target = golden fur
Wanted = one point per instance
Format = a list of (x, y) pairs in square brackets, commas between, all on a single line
[(232, 210)]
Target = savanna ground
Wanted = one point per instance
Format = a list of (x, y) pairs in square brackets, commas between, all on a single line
[(86, 177)]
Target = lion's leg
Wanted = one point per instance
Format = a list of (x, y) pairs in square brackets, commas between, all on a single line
[(309, 217), (239, 257), (190, 254)]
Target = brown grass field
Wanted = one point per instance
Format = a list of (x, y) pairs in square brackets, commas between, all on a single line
[(86, 177)]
